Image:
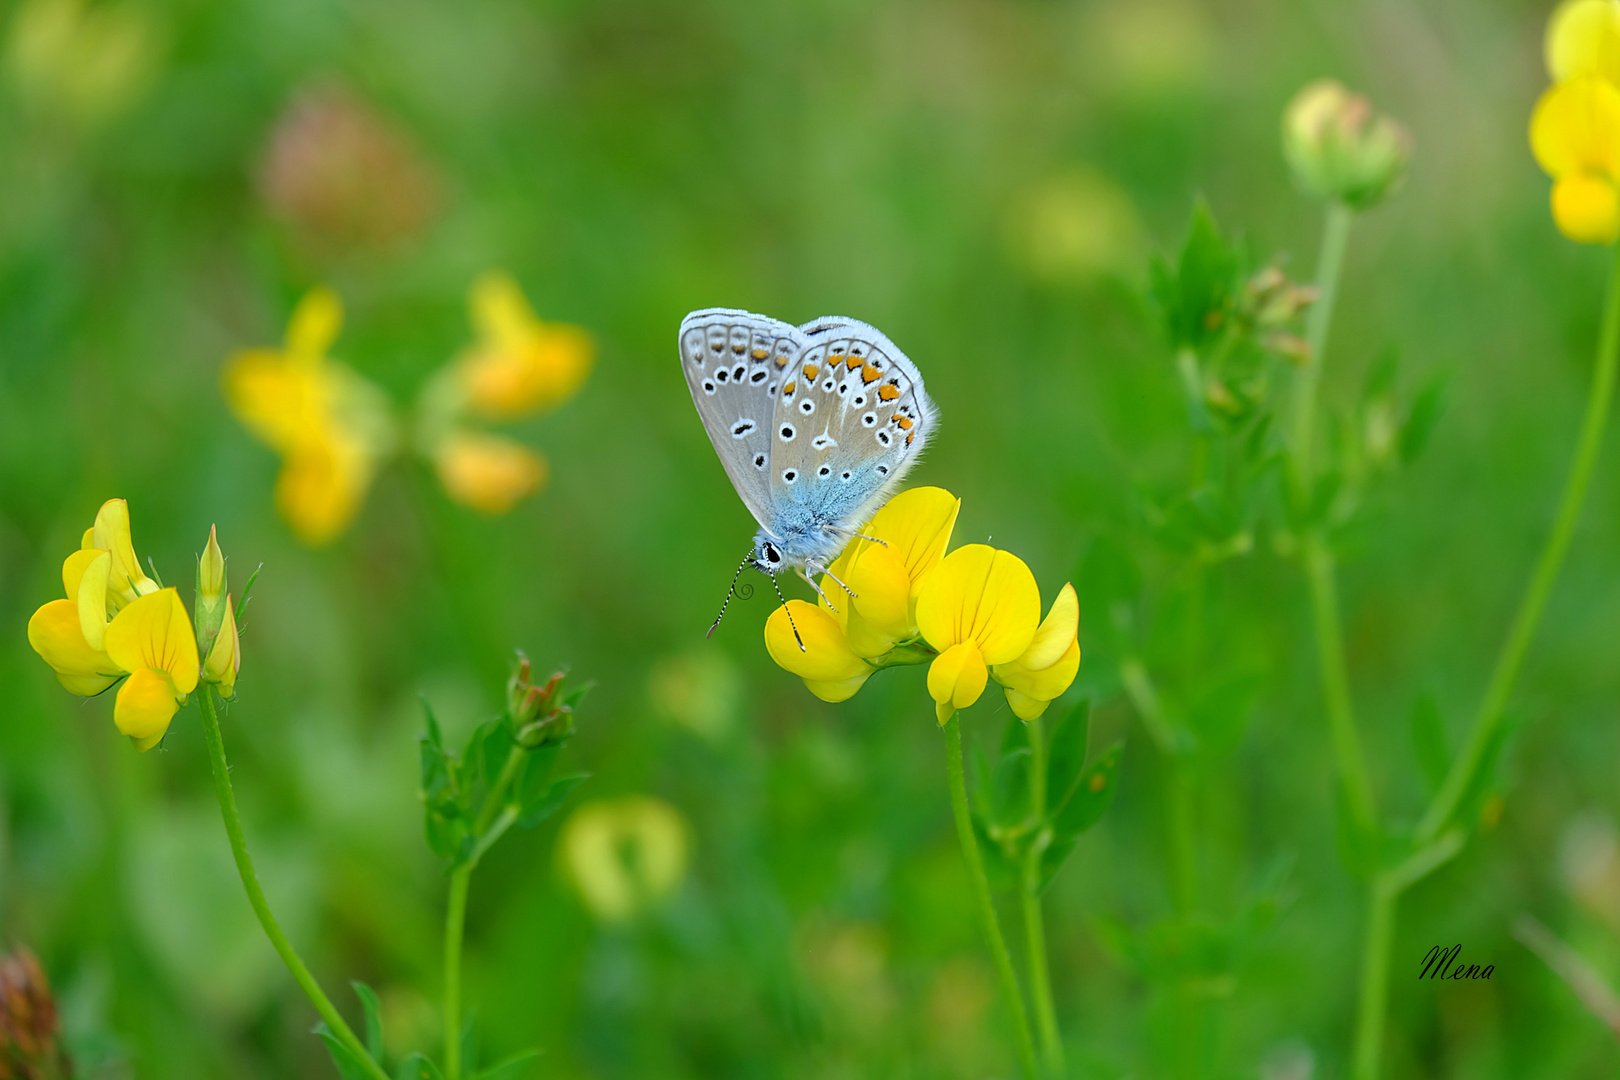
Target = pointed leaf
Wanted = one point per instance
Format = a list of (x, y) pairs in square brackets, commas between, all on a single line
[(418, 1067), (546, 804), (1009, 796), (1091, 796), (510, 1068), (348, 1066), (368, 1002), (1066, 754), (497, 747)]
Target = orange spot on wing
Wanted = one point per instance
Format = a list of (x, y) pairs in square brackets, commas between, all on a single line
[(903, 422), (787, 391), (870, 374), (888, 393), (760, 354), (835, 359), (811, 371), (781, 361), (913, 435)]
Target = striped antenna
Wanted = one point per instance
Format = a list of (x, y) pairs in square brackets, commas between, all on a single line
[(730, 593)]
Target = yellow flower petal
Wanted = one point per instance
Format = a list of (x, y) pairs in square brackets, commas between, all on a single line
[(520, 364), (489, 473), (321, 486), (880, 612), (91, 598), (146, 703), (279, 402), (1031, 690), (981, 595), (956, 678), (54, 633), (1575, 128), (225, 658), (826, 656), (1583, 38), (499, 309), (314, 325), (155, 633), (1057, 631), (111, 533), (1586, 209), (917, 525), (74, 565)]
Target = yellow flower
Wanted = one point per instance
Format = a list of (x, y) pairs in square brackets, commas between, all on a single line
[(329, 425), (979, 607), (831, 670), (1583, 38), (915, 527), (1048, 666), (217, 637), (489, 473), (624, 855), (519, 364), (101, 579), (152, 639), (1575, 136)]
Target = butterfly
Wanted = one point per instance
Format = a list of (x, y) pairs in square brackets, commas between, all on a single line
[(816, 425)]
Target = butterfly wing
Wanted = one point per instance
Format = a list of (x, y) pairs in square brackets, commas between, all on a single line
[(735, 364), (849, 420)]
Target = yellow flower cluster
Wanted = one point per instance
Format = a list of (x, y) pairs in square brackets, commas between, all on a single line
[(333, 428), (973, 615), (518, 366), (1575, 129), (117, 623)]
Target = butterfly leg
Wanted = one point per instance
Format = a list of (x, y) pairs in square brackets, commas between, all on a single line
[(853, 595), (853, 535), (804, 572)]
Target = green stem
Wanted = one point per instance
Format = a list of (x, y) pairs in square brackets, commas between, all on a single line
[(261, 907), (1375, 945), (1133, 675), (981, 895), (455, 918), (1319, 572), (1511, 658), (1040, 975), (1330, 261)]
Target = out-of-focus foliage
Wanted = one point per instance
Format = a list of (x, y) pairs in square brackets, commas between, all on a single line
[(984, 181)]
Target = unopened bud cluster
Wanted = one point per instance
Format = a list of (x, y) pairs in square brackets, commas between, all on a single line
[(540, 714), (1340, 149), (1272, 304)]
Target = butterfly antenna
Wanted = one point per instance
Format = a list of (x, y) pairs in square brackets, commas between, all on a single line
[(730, 593), (788, 612)]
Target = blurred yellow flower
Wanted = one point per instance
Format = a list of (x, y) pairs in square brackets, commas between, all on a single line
[(1575, 136), (86, 61), (330, 426), (147, 637), (519, 365), (969, 614), (626, 856), (489, 473), (1583, 38)]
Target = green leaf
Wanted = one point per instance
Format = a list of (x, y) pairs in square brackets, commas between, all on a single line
[(1425, 413), (546, 804), (998, 866), (1430, 743), (1488, 779), (348, 1065), (1090, 798), (418, 1067), (1066, 754), (368, 1002), (1009, 792), (469, 1042), (497, 747), (510, 1068), (1195, 297)]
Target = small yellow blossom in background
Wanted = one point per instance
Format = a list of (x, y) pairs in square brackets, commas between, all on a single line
[(85, 61), (970, 615), (118, 623), (489, 473), (519, 366), (626, 856), (330, 426), (1575, 128), (1341, 150)]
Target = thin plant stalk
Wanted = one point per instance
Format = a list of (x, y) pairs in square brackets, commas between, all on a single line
[(1375, 946), (1321, 575), (1329, 264), (980, 885), (1439, 843), (486, 830), (261, 907), (1550, 561), (1040, 975)]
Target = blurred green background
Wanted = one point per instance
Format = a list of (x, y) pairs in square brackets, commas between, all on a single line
[(984, 179)]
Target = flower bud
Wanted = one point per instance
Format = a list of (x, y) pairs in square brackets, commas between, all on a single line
[(539, 715), (211, 595), (224, 659), (1340, 150)]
